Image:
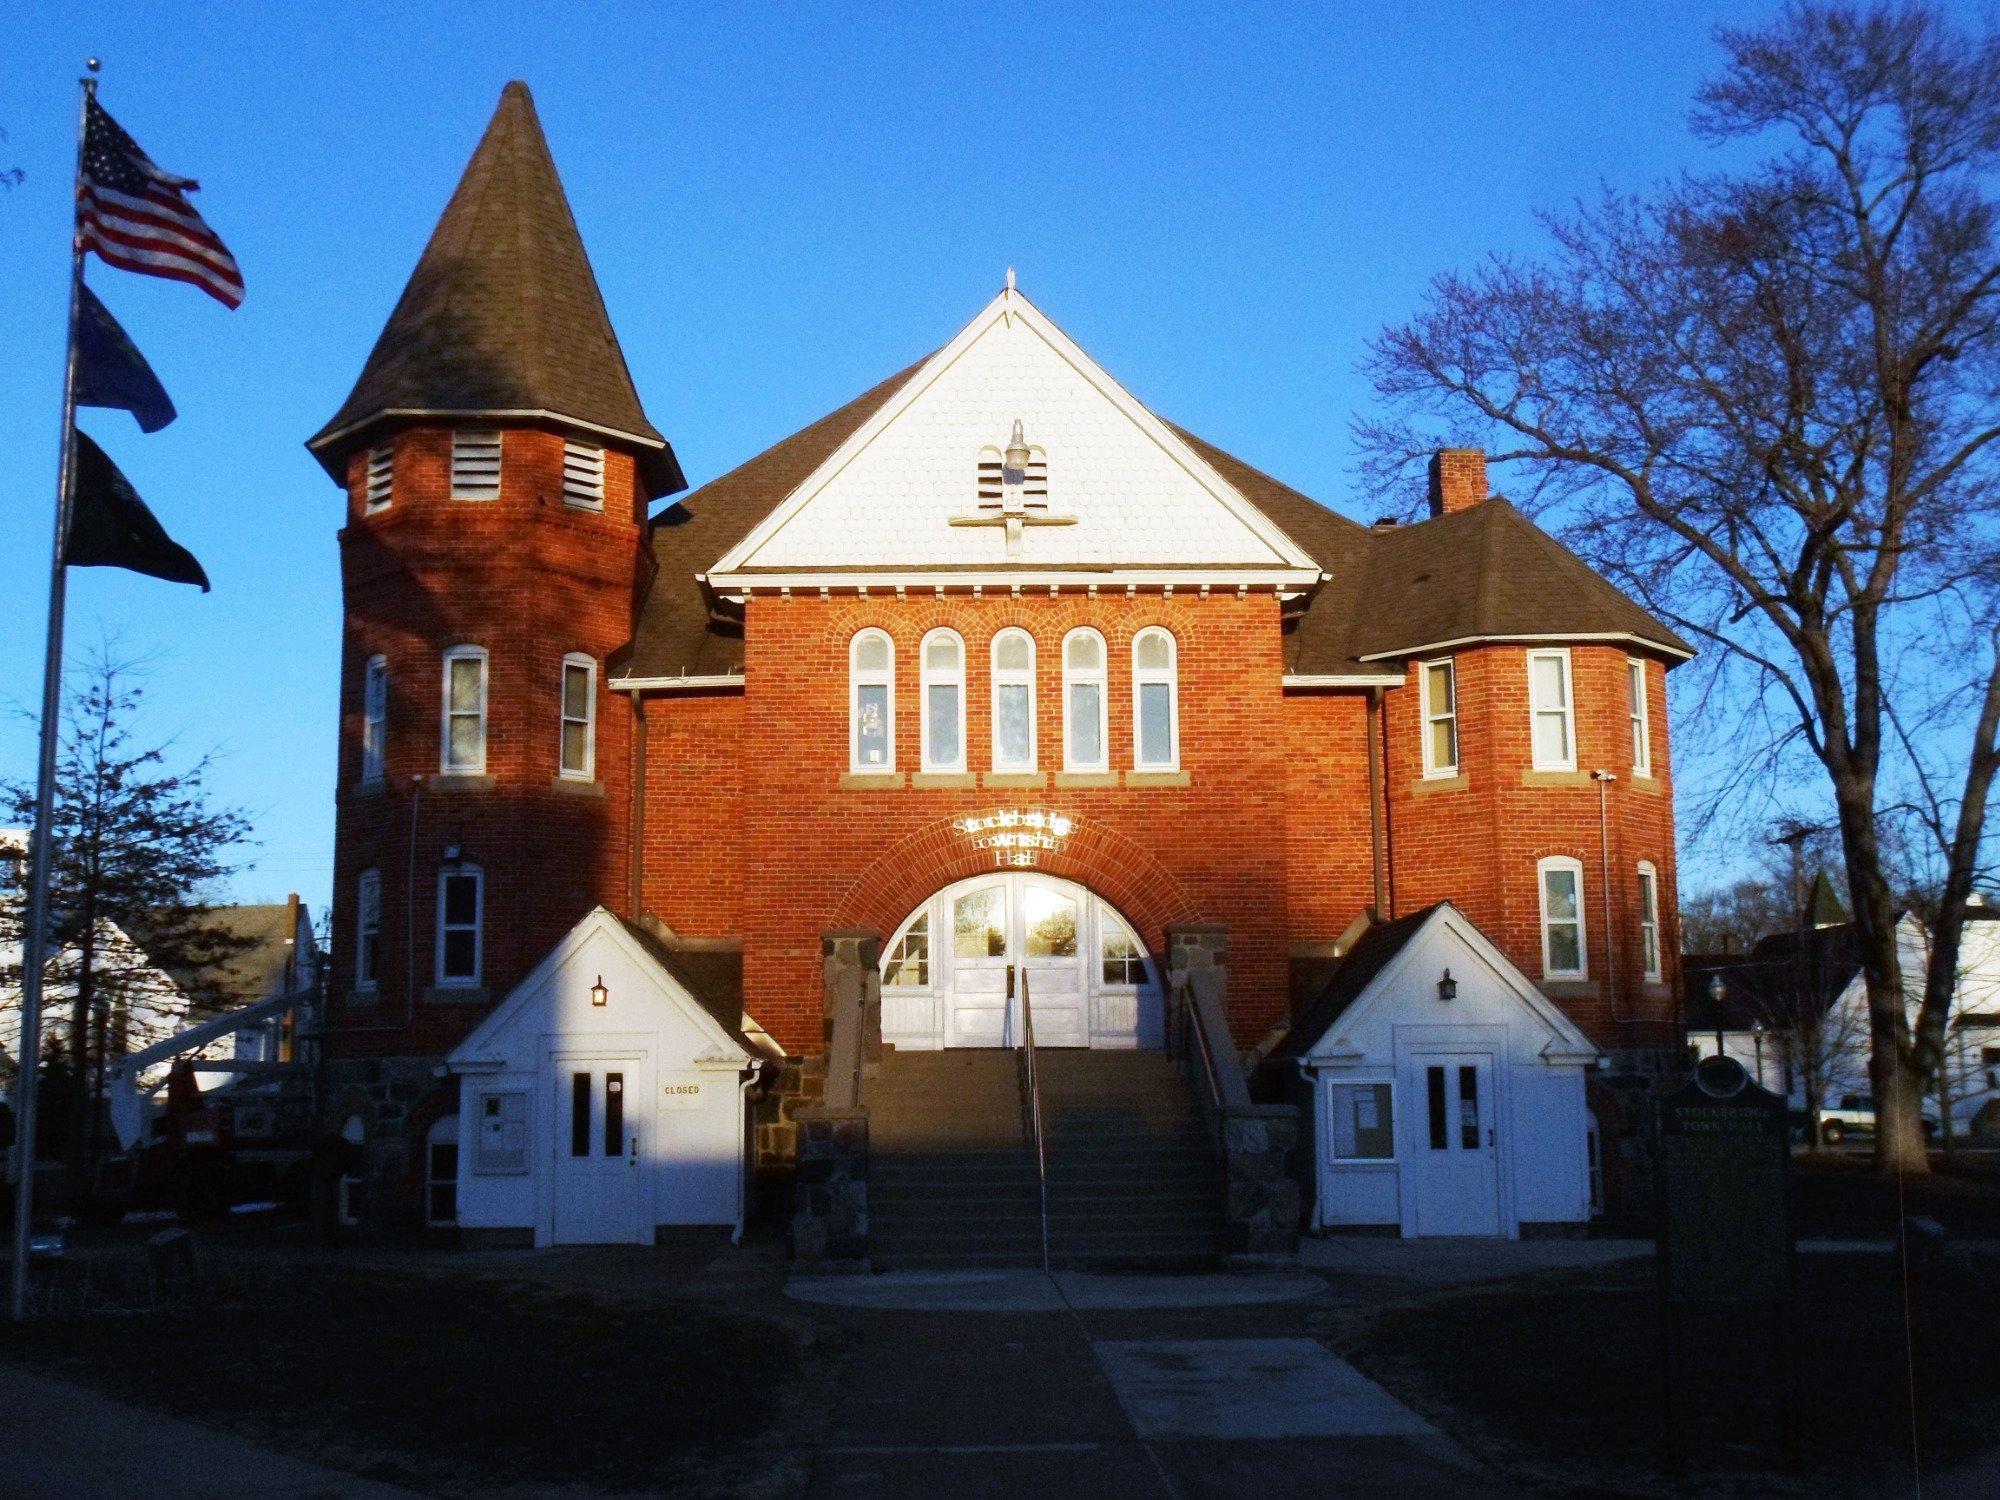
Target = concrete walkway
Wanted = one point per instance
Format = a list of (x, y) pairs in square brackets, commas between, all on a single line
[(1035, 1292), (63, 1440), (1458, 1262)]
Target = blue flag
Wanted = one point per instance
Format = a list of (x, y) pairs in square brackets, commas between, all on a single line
[(110, 526), (110, 370)]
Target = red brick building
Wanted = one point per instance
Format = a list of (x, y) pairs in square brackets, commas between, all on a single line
[(993, 663)]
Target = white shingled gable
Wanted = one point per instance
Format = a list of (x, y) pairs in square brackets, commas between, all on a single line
[(1124, 490)]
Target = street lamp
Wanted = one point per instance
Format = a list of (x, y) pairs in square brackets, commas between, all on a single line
[(1757, 1040), (1715, 991)]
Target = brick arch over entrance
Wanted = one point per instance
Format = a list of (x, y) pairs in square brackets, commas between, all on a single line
[(1109, 864)]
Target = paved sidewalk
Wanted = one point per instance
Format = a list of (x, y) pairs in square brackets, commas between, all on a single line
[(1033, 1291), (65, 1440), (1458, 1262)]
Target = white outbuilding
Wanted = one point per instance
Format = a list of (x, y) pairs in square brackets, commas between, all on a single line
[(603, 1101), (1446, 1093)]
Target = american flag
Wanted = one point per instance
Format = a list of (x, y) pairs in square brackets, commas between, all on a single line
[(138, 218)]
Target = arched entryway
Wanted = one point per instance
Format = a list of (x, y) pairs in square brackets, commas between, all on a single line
[(954, 972)]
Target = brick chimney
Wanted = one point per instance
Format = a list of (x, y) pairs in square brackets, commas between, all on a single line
[(1458, 479)]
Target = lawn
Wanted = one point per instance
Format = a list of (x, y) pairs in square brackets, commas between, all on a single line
[(1557, 1381), (451, 1384), (1838, 1195)]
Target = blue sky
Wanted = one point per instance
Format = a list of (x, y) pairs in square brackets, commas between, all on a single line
[(783, 204)]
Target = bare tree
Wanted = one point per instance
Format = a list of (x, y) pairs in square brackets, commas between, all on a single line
[(1768, 402)]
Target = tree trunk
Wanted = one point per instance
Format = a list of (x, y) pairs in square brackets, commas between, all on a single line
[(79, 1046)]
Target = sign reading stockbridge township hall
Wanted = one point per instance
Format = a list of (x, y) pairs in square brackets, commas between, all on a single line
[(1724, 1160)]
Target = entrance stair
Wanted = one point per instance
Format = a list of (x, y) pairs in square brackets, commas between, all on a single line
[(1134, 1178)]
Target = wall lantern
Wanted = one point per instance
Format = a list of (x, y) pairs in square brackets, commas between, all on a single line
[(598, 993), (1447, 987)]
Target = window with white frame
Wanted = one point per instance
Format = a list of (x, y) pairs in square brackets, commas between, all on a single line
[(1156, 714), (579, 717), (1086, 743), (368, 930), (475, 465), (381, 481), (943, 687), (441, 1172), (1363, 1121), (909, 962), (871, 702), (374, 716), (1013, 701), (461, 910), (1649, 918), (583, 475), (1550, 706), (463, 750), (1642, 735), (1440, 707), (1123, 963), (1563, 951)]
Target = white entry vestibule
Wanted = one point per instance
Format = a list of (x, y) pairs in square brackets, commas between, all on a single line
[(954, 972), (1447, 1093)]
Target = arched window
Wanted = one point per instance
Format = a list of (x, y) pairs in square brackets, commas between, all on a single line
[(441, 1172), (1649, 918), (1013, 701), (463, 731), (367, 930), (579, 717), (1085, 741), (461, 924), (871, 702), (1564, 953), (374, 716), (943, 673), (1156, 714)]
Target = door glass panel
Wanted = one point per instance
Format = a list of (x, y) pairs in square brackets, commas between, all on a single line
[(614, 1114), (1434, 1089), (979, 924), (579, 1114), (1468, 1107), (1051, 923)]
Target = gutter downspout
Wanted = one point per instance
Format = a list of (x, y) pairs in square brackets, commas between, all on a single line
[(749, 1163), (1604, 780), (1377, 812), (635, 895)]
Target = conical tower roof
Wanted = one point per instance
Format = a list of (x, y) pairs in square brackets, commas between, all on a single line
[(502, 316)]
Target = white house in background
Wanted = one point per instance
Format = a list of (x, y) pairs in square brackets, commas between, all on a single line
[(1784, 971), (1445, 1092), (602, 1101)]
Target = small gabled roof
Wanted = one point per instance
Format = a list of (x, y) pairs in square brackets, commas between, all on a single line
[(502, 316), (1356, 970)]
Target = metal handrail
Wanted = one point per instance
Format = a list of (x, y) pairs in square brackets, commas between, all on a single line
[(1035, 1109), (1189, 1016)]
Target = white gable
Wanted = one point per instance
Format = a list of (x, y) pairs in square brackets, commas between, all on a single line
[(1123, 489)]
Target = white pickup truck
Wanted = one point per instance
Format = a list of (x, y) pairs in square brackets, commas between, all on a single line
[(1856, 1116)]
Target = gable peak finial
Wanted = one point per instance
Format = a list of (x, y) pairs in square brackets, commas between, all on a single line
[(1010, 278)]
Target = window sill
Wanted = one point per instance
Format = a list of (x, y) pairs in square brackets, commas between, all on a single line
[(1158, 778), (374, 786), (1427, 784), (1570, 989), (459, 781), (456, 994), (1647, 782), (577, 786), (1086, 778), (871, 781), (944, 780), (1017, 781), (1555, 778)]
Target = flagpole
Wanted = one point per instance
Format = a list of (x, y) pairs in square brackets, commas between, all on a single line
[(40, 850)]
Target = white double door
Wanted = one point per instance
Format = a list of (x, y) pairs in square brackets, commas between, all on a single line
[(598, 1181), (1014, 936), (1455, 1169)]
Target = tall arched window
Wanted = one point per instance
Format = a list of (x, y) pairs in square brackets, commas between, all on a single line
[(1649, 918), (1156, 713), (1013, 701), (463, 731), (368, 931), (461, 920), (943, 674), (1564, 953), (871, 702), (1085, 741), (579, 717), (374, 716)]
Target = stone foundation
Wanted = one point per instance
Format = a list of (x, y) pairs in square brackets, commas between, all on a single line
[(830, 1198)]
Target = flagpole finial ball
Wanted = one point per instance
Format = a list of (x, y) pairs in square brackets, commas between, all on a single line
[(92, 63)]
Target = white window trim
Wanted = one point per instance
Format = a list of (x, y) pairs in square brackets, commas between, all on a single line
[(1014, 677), (1100, 675), (1432, 769), (374, 717), (1574, 867), (463, 438), (588, 470), (445, 764), (1649, 920), (368, 880), (1640, 712), (462, 981), (1170, 675), (588, 771), (378, 485), (886, 677), (1535, 711), (926, 680)]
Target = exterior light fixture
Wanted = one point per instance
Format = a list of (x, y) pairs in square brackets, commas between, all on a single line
[(598, 993), (1715, 991), (1447, 987)]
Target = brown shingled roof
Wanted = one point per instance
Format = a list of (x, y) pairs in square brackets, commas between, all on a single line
[(503, 313)]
